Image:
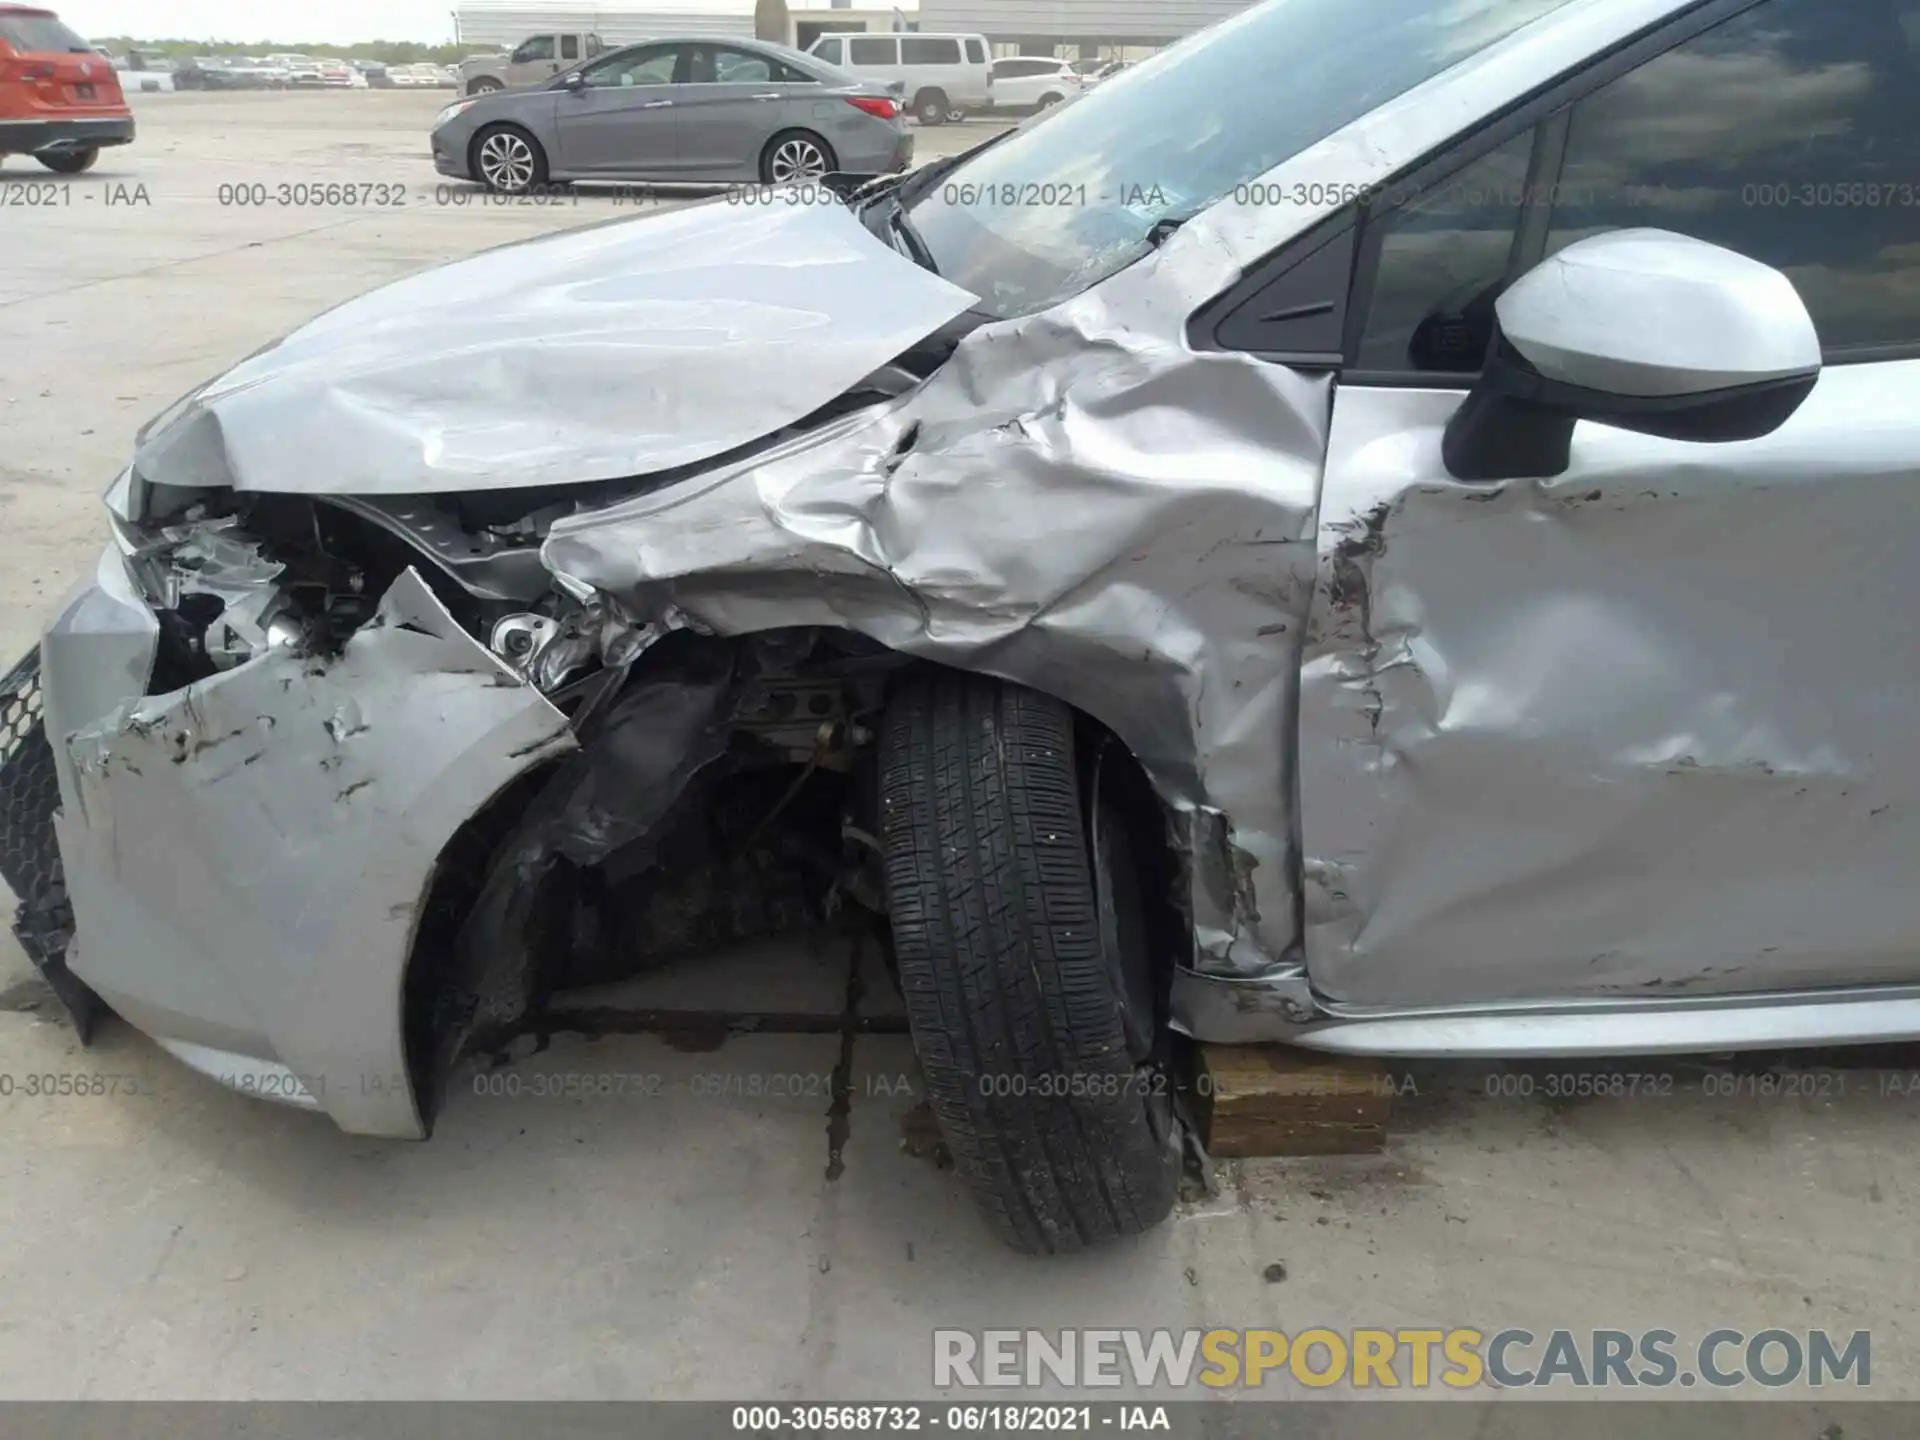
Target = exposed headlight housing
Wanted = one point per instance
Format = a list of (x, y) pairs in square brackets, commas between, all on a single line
[(451, 111)]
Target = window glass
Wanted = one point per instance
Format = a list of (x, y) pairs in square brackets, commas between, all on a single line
[(540, 47), (1167, 138), (635, 67), (929, 50), (1790, 133), (40, 34), (569, 47), (740, 68), (1443, 262), (976, 52), (872, 50), (829, 51)]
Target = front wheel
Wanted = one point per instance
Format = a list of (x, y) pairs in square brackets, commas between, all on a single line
[(70, 162), (484, 87), (508, 160), (794, 157), (1026, 960)]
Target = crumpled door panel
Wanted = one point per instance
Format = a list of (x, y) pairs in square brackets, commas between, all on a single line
[(1642, 729)]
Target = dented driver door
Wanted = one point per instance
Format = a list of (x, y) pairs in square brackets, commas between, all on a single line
[(1640, 729), (1644, 728)]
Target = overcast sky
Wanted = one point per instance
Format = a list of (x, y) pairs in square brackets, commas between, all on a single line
[(338, 22)]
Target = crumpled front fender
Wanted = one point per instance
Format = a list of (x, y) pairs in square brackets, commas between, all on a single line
[(1077, 502), (249, 857)]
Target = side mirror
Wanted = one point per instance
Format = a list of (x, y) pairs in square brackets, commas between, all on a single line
[(1641, 329), (573, 80)]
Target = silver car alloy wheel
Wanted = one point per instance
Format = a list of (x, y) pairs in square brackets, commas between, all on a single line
[(506, 162), (797, 158)]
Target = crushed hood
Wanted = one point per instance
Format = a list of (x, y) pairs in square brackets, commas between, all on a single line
[(612, 350)]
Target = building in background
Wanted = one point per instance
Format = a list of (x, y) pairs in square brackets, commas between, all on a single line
[(502, 24), (1076, 28)]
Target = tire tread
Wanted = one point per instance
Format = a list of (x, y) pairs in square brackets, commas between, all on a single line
[(996, 932)]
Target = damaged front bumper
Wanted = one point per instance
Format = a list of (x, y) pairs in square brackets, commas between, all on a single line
[(249, 856)]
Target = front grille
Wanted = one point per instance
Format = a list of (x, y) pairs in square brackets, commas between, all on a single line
[(29, 854)]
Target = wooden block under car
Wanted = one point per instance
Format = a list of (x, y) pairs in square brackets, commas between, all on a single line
[(1276, 1100)]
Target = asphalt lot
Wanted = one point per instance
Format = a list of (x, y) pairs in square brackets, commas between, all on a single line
[(714, 1234)]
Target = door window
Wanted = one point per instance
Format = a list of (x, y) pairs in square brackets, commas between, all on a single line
[(540, 47), (929, 50), (829, 51), (1790, 133), (976, 52), (737, 67), (652, 66), (569, 47), (1445, 256), (873, 50)]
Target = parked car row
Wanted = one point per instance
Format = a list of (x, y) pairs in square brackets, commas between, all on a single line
[(282, 72)]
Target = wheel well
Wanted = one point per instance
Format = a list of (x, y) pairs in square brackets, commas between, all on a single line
[(494, 127), (431, 1021), (788, 689)]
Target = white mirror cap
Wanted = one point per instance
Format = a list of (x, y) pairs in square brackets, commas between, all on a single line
[(1652, 313)]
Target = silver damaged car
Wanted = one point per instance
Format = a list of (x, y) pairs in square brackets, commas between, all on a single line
[(1413, 561)]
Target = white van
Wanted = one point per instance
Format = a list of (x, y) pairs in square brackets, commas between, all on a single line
[(937, 75)]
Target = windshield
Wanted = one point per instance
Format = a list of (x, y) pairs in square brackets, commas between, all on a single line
[(1069, 200)]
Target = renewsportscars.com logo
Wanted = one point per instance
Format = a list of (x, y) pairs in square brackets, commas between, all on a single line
[(1417, 1359)]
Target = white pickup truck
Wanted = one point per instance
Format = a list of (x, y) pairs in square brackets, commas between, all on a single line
[(534, 59)]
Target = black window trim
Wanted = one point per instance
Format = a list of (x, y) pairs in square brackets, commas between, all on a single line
[(1547, 112)]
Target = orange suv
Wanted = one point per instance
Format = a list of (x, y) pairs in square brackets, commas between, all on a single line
[(59, 99)]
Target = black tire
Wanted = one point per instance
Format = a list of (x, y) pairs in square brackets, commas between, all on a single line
[(484, 87), (783, 149), (1049, 100), (930, 107), (70, 162), (527, 173), (1038, 1046)]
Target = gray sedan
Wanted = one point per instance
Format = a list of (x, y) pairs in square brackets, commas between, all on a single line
[(692, 111)]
